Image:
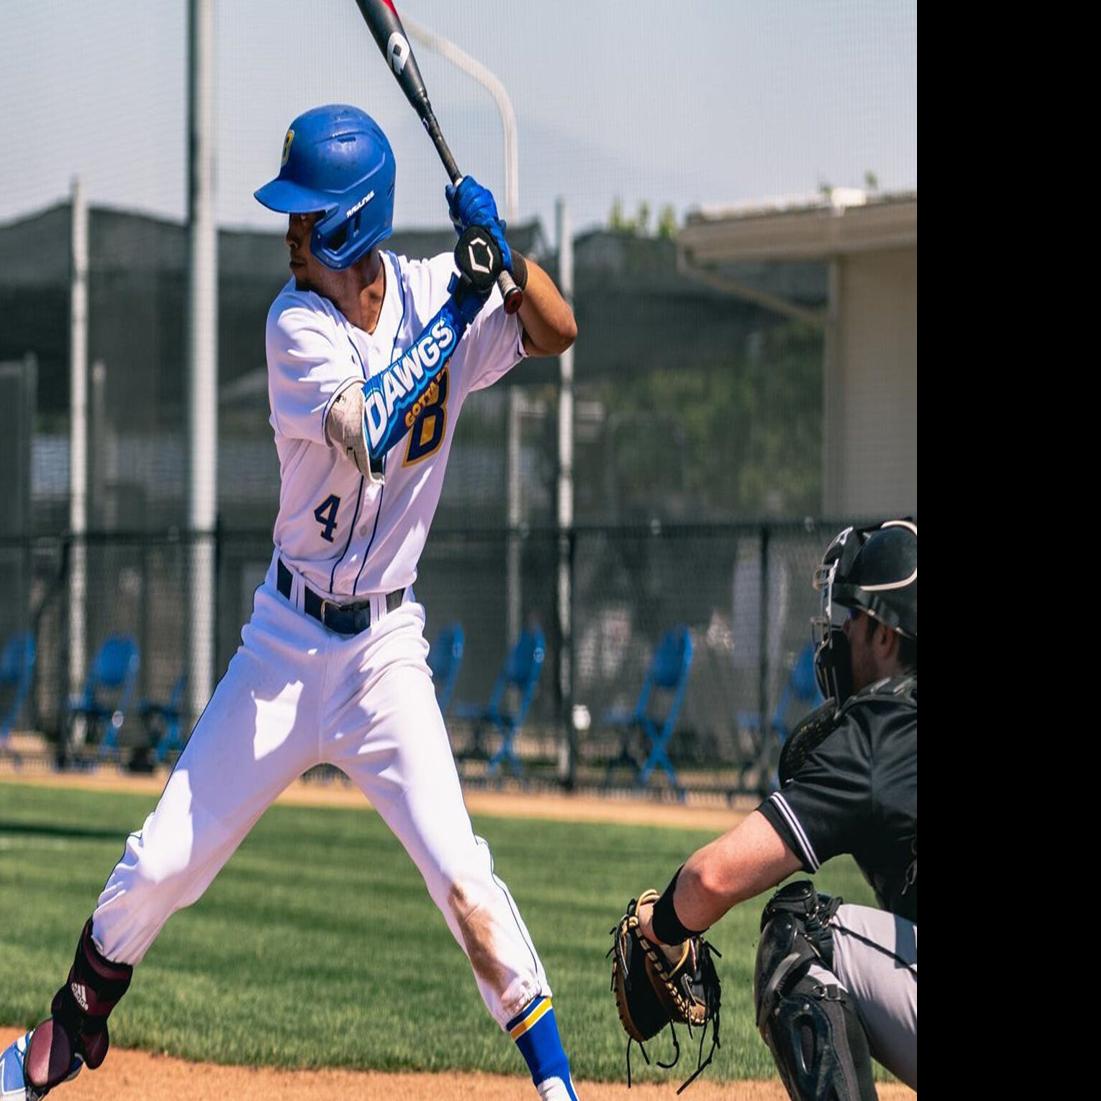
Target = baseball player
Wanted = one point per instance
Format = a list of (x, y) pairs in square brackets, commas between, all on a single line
[(370, 359), (834, 984)]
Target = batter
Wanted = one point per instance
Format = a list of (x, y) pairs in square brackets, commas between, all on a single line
[(331, 667)]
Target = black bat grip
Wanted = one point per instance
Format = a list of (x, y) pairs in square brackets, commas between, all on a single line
[(438, 140)]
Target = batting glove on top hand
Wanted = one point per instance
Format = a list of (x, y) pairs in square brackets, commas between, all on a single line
[(470, 204)]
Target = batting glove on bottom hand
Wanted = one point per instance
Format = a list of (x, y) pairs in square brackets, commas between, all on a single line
[(468, 298), (470, 204)]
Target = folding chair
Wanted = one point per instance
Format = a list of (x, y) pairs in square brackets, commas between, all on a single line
[(113, 672), (445, 659), (16, 673), (668, 674), (521, 673), (801, 688), (162, 721)]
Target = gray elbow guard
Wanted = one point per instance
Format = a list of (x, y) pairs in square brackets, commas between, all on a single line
[(344, 426)]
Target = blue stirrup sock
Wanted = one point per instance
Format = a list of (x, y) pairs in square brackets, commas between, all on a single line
[(536, 1034)]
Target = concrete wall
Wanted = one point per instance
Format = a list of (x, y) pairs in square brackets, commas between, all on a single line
[(871, 388)]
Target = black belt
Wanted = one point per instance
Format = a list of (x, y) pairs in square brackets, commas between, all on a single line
[(345, 619)]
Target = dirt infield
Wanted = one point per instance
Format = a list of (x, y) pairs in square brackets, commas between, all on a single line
[(630, 808), (139, 1076)]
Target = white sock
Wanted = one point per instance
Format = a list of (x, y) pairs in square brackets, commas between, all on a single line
[(554, 1089)]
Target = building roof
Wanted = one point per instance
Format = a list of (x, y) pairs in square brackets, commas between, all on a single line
[(841, 221)]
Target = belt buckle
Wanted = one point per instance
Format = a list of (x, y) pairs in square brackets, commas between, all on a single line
[(353, 610), (323, 611)]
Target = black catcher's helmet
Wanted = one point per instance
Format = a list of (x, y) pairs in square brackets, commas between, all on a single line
[(872, 569)]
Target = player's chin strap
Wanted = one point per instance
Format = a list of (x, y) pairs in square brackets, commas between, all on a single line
[(395, 397)]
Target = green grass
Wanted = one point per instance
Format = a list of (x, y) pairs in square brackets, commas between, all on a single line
[(319, 946)]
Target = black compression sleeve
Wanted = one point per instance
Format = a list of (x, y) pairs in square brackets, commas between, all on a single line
[(665, 923)]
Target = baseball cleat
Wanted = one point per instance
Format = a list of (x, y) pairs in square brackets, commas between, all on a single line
[(13, 1083)]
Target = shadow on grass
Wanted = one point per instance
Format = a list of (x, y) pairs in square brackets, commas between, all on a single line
[(40, 829)]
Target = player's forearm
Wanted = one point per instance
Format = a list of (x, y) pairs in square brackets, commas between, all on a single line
[(742, 863), (549, 325)]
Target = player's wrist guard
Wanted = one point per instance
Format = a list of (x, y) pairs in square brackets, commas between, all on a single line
[(667, 927)]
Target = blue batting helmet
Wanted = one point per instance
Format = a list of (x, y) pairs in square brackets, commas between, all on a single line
[(336, 160)]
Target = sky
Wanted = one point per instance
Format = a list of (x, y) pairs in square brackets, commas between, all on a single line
[(696, 103)]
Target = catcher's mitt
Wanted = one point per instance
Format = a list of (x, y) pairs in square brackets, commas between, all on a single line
[(656, 985)]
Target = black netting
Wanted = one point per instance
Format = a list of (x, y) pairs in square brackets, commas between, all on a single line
[(691, 407)]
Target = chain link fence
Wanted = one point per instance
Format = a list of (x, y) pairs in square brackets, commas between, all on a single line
[(742, 590)]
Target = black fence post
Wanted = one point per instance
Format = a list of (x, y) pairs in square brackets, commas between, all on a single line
[(63, 644), (219, 537), (762, 650), (571, 670)]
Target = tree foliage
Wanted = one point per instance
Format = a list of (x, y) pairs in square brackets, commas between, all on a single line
[(718, 440), (639, 225)]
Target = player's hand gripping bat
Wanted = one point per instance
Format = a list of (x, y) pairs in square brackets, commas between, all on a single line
[(382, 17)]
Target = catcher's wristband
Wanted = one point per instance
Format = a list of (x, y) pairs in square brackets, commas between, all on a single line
[(667, 927), (519, 270)]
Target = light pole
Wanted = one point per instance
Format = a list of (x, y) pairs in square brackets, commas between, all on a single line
[(202, 357), (475, 69)]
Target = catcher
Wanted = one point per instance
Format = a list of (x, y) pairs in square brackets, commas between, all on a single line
[(834, 985)]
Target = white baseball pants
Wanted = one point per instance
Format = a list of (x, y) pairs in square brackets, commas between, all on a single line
[(296, 695)]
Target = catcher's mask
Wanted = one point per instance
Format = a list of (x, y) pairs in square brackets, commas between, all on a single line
[(336, 160), (874, 570)]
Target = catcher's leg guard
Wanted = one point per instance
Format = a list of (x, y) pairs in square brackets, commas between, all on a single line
[(77, 1026), (810, 1027)]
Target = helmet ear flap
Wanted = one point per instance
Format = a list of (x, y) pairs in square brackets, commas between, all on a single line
[(329, 235), (340, 239)]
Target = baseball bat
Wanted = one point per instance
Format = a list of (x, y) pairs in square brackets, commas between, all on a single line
[(382, 18)]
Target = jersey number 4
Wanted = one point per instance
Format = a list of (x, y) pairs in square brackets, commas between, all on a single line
[(325, 515), (426, 435)]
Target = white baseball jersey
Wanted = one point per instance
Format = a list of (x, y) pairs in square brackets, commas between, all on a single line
[(346, 535), (297, 694)]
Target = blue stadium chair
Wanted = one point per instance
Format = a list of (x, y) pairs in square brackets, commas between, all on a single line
[(520, 673), (107, 691), (668, 676), (445, 659), (801, 689), (16, 673), (162, 721)]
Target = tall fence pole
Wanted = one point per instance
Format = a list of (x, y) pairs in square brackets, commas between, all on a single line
[(514, 596), (833, 411), (763, 672), (202, 330), (568, 768), (78, 436), (513, 451)]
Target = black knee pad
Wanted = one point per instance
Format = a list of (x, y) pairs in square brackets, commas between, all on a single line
[(812, 1029), (94, 987)]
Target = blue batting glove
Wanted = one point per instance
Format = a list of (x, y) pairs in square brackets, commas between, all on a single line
[(470, 204), (468, 300)]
